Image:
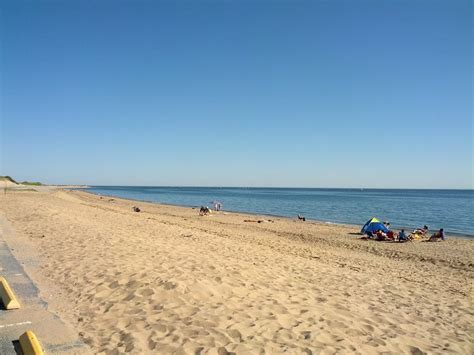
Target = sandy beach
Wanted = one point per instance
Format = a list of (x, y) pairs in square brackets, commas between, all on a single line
[(167, 280)]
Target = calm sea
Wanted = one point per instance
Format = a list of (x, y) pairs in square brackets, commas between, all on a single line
[(449, 209)]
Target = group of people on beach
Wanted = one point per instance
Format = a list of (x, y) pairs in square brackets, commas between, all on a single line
[(204, 210), (418, 233), (385, 234)]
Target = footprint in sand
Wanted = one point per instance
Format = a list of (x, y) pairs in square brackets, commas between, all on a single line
[(114, 285), (354, 332), (306, 335), (235, 335), (146, 292), (168, 285), (326, 337), (368, 327)]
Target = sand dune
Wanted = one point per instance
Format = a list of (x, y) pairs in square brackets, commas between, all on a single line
[(169, 281)]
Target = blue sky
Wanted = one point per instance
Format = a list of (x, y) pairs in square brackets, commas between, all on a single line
[(238, 93)]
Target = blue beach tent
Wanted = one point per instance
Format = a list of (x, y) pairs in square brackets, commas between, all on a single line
[(373, 225)]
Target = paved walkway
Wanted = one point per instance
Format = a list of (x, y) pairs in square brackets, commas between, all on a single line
[(53, 334)]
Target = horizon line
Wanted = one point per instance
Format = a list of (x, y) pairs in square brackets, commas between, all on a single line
[(279, 187)]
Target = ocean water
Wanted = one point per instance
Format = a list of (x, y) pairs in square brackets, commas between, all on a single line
[(452, 210)]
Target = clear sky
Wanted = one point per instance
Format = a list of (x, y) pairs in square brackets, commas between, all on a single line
[(238, 93)]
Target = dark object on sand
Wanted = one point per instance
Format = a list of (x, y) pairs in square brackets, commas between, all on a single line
[(204, 211), (402, 237), (135, 209), (437, 236), (302, 218), (254, 220)]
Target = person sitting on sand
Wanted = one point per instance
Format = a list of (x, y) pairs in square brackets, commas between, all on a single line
[(421, 231), (402, 237), (437, 235), (390, 235), (380, 235), (204, 211)]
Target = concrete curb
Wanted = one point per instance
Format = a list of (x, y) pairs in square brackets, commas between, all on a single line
[(7, 296), (56, 336), (29, 344)]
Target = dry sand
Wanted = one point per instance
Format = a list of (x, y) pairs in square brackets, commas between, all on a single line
[(6, 184), (166, 280)]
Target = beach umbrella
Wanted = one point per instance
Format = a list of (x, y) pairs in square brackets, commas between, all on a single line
[(373, 225)]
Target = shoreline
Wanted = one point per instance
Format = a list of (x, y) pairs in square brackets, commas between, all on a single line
[(314, 221), (308, 220)]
